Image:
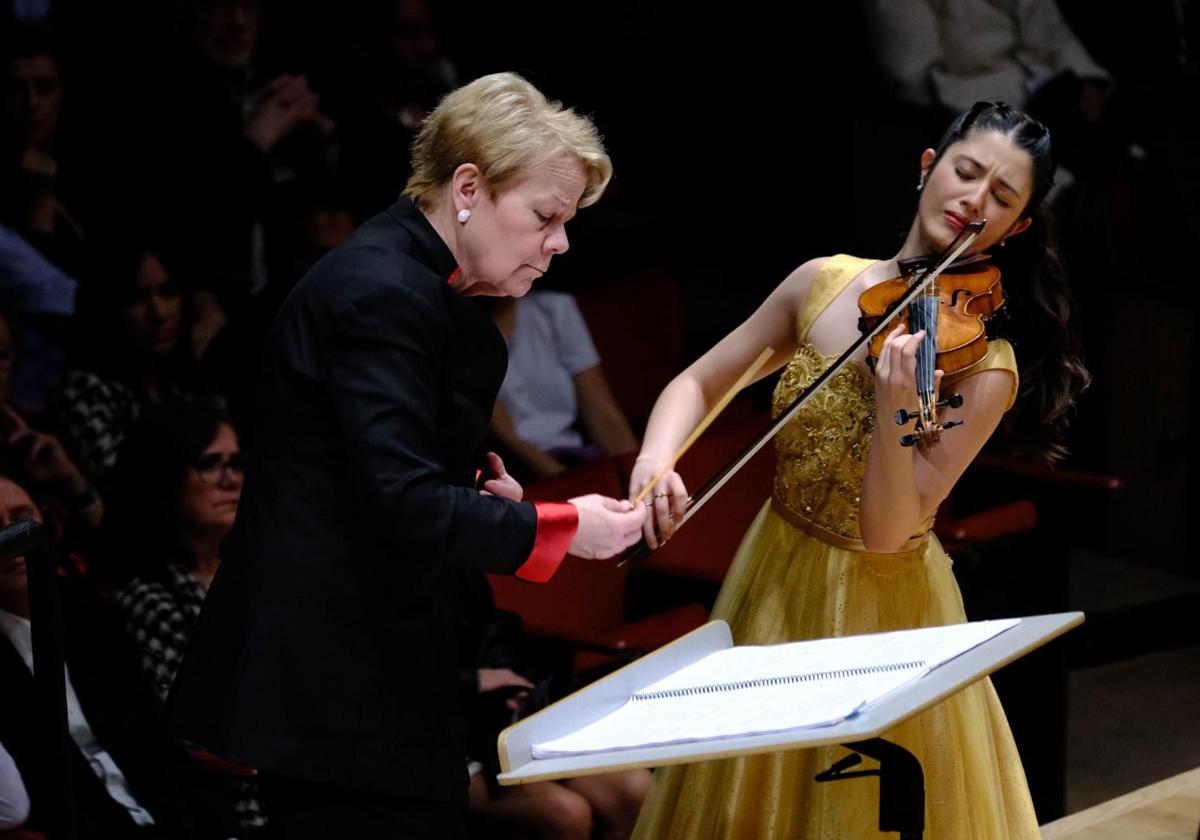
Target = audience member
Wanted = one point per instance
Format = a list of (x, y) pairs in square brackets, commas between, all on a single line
[(498, 678), (175, 497), (130, 353), (236, 130), (122, 768), (945, 56), (14, 799), (43, 296), (404, 74), (40, 454), (43, 166), (555, 408), (314, 218)]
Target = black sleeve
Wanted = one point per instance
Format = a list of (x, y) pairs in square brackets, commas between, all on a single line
[(385, 374)]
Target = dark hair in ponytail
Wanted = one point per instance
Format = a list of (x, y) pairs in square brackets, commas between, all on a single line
[(1038, 319)]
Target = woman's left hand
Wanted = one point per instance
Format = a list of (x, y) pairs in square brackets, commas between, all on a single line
[(896, 372), (503, 484)]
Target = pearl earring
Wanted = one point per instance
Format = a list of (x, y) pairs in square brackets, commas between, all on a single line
[(463, 215)]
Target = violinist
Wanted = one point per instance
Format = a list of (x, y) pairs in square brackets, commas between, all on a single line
[(844, 546)]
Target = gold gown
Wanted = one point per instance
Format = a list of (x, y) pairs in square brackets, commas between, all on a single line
[(802, 572)]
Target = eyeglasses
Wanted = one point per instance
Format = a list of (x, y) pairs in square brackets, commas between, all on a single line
[(211, 467)]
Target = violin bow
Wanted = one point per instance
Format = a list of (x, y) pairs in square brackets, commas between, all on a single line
[(697, 500), (734, 390)]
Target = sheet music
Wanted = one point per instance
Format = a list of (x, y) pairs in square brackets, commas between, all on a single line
[(759, 689)]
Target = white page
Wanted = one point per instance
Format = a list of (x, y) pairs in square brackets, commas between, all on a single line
[(725, 714), (751, 710), (929, 645)]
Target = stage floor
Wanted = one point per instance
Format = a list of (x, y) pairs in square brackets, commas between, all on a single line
[(1166, 810)]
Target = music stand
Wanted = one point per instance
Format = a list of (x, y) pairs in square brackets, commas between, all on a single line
[(860, 733)]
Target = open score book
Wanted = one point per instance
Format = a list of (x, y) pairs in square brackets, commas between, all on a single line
[(754, 690)]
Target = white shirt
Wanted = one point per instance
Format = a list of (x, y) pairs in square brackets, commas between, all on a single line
[(17, 630), (549, 345), (14, 800)]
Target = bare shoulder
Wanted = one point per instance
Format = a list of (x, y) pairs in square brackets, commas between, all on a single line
[(986, 394), (797, 284)]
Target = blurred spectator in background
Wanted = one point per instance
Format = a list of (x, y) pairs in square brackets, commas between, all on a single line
[(41, 185), (944, 55), (39, 298), (502, 682), (122, 769), (131, 352), (954, 53), (314, 217), (236, 130), (14, 799), (39, 454), (405, 74), (555, 408)]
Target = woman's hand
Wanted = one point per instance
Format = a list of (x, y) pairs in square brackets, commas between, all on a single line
[(495, 679), (896, 374), (40, 168), (283, 105), (41, 455), (666, 503), (606, 526), (501, 484), (207, 321)]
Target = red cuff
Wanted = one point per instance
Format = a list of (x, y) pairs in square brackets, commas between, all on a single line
[(557, 523)]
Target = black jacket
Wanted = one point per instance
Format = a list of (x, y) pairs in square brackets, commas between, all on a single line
[(326, 648)]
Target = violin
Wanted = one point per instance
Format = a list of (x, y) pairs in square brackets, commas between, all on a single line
[(952, 311), (924, 276)]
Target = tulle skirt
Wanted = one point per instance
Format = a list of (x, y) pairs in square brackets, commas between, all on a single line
[(788, 585)]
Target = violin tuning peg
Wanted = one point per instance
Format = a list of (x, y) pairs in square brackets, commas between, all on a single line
[(909, 440), (903, 416), (954, 401), (950, 424)]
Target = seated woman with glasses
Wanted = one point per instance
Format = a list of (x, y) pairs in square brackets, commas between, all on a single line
[(178, 483), (176, 491)]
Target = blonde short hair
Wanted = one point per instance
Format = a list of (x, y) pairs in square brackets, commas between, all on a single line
[(505, 126)]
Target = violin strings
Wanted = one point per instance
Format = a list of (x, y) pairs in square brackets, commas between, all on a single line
[(931, 313), (924, 317)]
